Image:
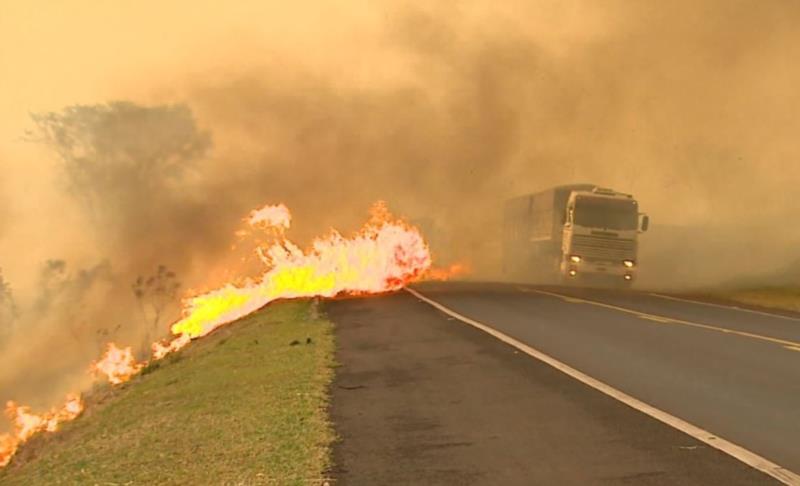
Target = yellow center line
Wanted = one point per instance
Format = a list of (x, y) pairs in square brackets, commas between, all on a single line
[(795, 346)]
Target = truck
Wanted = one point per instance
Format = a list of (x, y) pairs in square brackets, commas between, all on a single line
[(573, 233)]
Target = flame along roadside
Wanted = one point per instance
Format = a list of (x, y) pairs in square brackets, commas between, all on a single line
[(385, 255)]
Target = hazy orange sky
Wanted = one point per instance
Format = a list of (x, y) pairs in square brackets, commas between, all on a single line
[(55, 54), (65, 52), (636, 87), (83, 51)]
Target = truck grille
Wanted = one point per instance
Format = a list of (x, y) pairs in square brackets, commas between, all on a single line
[(601, 248)]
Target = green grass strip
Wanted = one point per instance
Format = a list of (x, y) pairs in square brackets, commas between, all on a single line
[(245, 405)]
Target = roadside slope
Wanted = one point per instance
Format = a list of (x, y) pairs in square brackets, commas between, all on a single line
[(241, 406)]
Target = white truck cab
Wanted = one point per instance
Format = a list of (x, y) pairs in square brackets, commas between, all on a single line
[(600, 236)]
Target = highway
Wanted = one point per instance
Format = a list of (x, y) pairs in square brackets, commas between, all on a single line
[(732, 373)]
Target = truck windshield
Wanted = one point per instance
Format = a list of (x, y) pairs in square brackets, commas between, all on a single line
[(599, 212)]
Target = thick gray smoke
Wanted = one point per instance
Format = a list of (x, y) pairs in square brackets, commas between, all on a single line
[(126, 166), (447, 111), (683, 105)]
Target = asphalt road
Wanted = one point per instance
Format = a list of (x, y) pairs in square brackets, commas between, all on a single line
[(422, 398)]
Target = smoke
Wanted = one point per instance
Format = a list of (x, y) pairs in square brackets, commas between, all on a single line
[(682, 105), (8, 309), (441, 110), (126, 167)]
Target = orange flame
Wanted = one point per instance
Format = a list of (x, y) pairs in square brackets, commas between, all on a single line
[(446, 273), (160, 350), (385, 255), (118, 365), (271, 216), (27, 424)]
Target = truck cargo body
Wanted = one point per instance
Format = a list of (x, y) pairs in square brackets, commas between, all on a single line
[(573, 232)]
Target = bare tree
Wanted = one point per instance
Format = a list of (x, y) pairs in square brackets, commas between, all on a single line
[(66, 297), (156, 295), (120, 153), (125, 164)]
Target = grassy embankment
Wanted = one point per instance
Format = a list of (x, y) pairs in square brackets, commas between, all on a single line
[(241, 406), (786, 298)]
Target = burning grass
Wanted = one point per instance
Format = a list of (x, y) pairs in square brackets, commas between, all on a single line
[(246, 405)]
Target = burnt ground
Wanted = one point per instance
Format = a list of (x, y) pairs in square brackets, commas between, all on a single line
[(420, 398)]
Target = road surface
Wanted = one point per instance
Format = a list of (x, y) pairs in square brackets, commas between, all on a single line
[(424, 398)]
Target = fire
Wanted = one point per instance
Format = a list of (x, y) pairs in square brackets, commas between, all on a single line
[(26, 424), (160, 350), (385, 255), (270, 216), (8, 447), (118, 365), (454, 270)]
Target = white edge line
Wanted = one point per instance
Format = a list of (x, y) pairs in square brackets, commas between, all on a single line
[(750, 458), (722, 306)]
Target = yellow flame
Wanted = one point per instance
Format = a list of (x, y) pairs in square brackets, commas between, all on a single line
[(385, 255)]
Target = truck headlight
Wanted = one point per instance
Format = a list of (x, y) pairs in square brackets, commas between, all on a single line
[(628, 263), (575, 259)]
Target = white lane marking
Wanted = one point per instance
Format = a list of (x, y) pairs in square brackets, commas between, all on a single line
[(729, 307), (750, 458), (664, 319)]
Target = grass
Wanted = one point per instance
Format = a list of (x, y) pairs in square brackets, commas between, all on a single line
[(241, 406), (787, 298)]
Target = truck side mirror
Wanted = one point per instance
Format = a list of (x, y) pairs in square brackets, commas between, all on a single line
[(645, 222)]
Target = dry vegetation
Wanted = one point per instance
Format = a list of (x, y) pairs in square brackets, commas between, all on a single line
[(785, 298)]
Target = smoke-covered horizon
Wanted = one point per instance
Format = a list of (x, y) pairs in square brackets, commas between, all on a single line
[(147, 150)]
